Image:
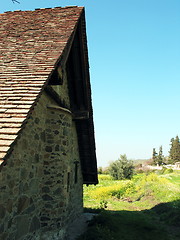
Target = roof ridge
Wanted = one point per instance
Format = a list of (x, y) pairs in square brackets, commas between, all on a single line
[(36, 9)]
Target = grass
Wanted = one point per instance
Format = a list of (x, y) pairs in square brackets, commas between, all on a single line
[(140, 193), (146, 207), (128, 225), (174, 178)]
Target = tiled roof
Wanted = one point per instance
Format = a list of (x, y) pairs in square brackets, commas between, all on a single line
[(31, 43)]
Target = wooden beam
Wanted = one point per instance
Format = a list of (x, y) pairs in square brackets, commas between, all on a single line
[(59, 108), (80, 115)]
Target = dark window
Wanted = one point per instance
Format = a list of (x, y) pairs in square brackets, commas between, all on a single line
[(56, 78)]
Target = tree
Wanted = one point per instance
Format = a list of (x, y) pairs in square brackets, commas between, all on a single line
[(154, 156), (121, 168), (174, 153), (160, 157), (100, 170)]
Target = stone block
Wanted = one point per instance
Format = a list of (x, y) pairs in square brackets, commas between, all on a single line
[(23, 203), (4, 236), (35, 224), (22, 223), (9, 205), (1, 228), (2, 212), (23, 173), (34, 186), (48, 149), (58, 191), (45, 190), (46, 197), (30, 209)]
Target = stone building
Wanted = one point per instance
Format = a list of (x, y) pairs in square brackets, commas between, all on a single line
[(47, 146)]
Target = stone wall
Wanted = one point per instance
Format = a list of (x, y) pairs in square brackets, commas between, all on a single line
[(41, 184)]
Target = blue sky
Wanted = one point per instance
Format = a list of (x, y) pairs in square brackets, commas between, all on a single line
[(134, 54)]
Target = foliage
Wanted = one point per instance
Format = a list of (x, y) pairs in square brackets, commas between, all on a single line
[(100, 170), (174, 153), (158, 159), (145, 207), (103, 204), (121, 168), (165, 170), (154, 156), (174, 178), (116, 189), (142, 191)]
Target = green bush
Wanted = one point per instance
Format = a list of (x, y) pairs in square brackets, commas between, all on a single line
[(121, 168), (168, 170), (165, 170)]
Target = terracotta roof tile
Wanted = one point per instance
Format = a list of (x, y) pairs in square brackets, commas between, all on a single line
[(2, 155), (11, 131), (6, 142), (31, 43), (11, 120), (10, 125), (4, 149), (7, 137)]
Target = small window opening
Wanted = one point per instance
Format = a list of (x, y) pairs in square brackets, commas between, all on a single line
[(56, 77)]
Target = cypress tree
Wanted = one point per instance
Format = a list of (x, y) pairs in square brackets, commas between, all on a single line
[(174, 153), (154, 156), (160, 157)]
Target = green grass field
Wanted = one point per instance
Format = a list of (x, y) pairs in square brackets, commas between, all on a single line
[(145, 207)]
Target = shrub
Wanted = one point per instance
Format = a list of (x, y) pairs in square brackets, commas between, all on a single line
[(162, 171), (100, 170), (104, 177), (168, 170), (121, 168), (165, 170), (119, 190)]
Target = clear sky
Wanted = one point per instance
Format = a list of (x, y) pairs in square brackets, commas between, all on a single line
[(134, 54)]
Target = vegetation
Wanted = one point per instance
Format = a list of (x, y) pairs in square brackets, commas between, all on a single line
[(121, 168), (154, 156), (158, 159), (174, 153), (125, 225), (145, 207), (143, 191)]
